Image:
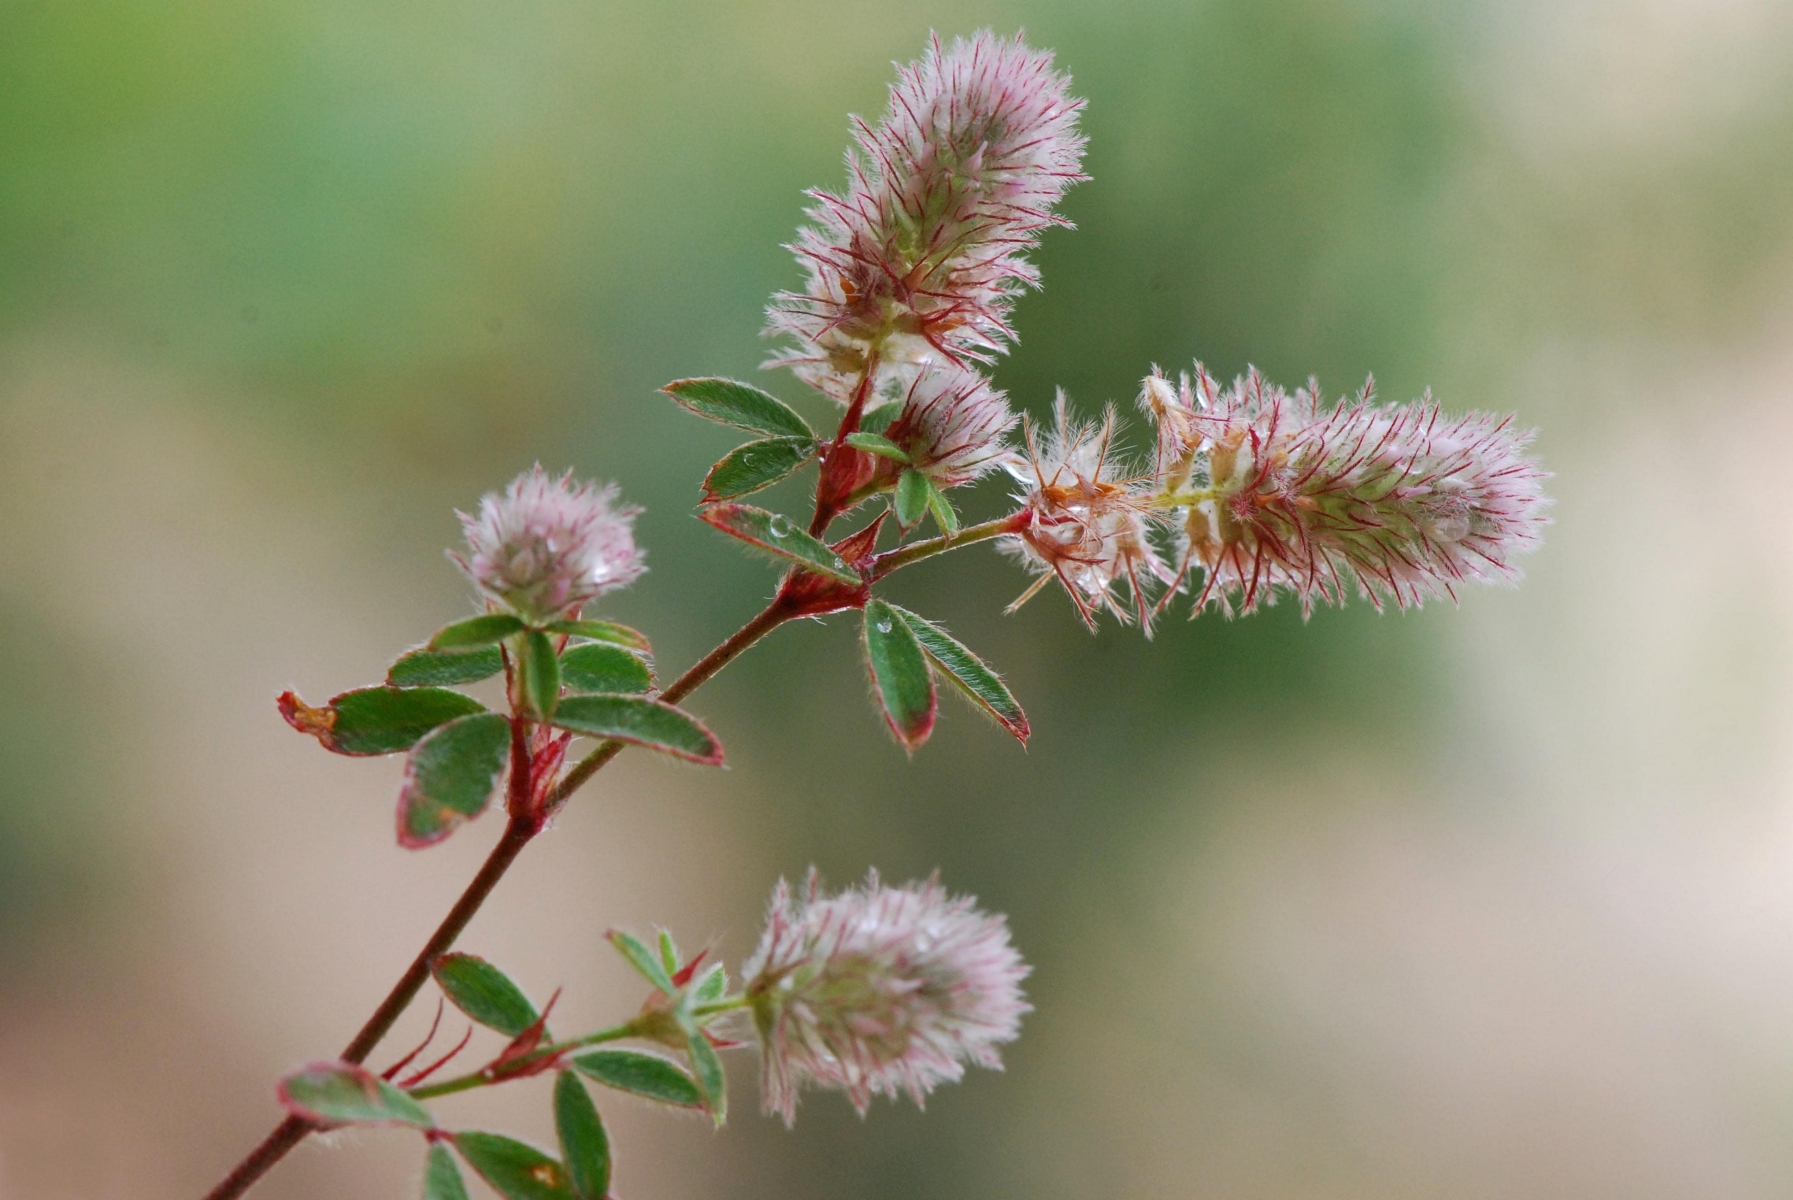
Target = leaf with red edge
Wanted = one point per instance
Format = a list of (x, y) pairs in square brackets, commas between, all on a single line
[(969, 673), (339, 1093), (451, 777), (900, 676), (779, 536), (650, 723), (748, 469), (376, 720)]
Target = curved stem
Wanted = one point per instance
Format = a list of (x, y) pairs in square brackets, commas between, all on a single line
[(517, 834), (890, 560)]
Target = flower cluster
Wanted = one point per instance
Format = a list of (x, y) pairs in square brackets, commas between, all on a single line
[(1086, 518), (1261, 491), (1398, 502), (544, 547), (919, 260), (879, 991)]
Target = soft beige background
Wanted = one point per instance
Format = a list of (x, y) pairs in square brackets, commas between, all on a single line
[(1486, 902)]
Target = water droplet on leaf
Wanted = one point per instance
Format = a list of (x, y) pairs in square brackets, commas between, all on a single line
[(883, 626), (779, 526)]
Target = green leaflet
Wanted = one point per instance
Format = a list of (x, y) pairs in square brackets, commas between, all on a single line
[(900, 674), (451, 777), (475, 632), (969, 673), (584, 1145), (777, 535), (376, 720), (541, 673), (912, 494), (650, 723), (486, 994), (516, 1170), (424, 667), (739, 404), (876, 443), (641, 1074), (597, 667), (441, 1178), (345, 1094), (756, 465), (604, 631), (642, 959)]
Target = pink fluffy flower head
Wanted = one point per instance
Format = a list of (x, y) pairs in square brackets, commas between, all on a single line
[(952, 424), (1086, 519), (920, 259), (545, 546), (879, 991), (1399, 502)]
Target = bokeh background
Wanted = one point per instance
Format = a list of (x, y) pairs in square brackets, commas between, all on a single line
[(1486, 901)]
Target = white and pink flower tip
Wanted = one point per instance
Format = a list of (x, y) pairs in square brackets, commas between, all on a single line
[(919, 261), (880, 991), (546, 546)]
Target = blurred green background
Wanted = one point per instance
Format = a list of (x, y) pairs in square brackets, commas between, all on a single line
[(1484, 901)]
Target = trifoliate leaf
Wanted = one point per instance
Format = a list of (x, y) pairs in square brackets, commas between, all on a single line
[(739, 404), (451, 776)]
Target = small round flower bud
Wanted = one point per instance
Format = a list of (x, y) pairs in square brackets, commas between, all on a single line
[(545, 546), (879, 990), (952, 425)]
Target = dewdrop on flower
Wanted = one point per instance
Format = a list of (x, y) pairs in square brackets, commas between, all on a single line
[(919, 260), (545, 547), (952, 424), (879, 991), (1086, 518), (1399, 502)]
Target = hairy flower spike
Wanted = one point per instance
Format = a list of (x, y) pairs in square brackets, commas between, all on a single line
[(1400, 502), (879, 990), (545, 546), (952, 425), (920, 259), (1086, 518)]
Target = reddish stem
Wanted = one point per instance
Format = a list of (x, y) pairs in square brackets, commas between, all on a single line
[(517, 833)]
